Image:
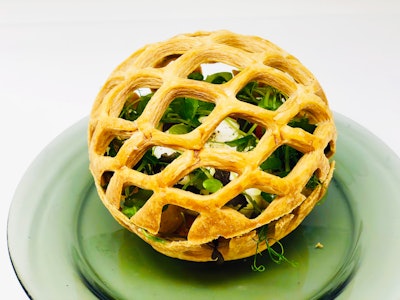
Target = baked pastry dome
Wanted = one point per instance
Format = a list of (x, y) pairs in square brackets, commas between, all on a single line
[(128, 125)]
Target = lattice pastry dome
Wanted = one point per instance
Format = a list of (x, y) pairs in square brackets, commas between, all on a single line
[(151, 194)]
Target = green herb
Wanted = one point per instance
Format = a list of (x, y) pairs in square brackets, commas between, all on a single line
[(149, 164), (196, 76), (179, 129), (152, 237), (264, 96), (114, 146), (313, 182), (201, 179), (196, 179), (134, 199), (247, 142), (303, 123), (291, 157), (186, 111), (212, 185), (272, 164), (281, 161), (219, 78), (133, 109), (256, 207), (276, 256), (268, 197)]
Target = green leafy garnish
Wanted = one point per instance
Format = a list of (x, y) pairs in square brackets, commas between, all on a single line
[(149, 164), (243, 143), (202, 180), (303, 123), (186, 111), (277, 256), (247, 140), (133, 199), (212, 185), (281, 161), (264, 96), (196, 76), (219, 78), (134, 108), (268, 197), (196, 179), (152, 237), (272, 164), (179, 129), (313, 182), (114, 146)]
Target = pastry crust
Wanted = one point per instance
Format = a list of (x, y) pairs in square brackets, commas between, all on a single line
[(164, 68)]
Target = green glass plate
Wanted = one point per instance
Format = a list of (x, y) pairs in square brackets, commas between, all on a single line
[(65, 245)]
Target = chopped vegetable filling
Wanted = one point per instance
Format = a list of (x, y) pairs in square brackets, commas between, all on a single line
[(183, 115)]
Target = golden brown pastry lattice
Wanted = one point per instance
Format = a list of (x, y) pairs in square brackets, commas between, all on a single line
[(164, 68)]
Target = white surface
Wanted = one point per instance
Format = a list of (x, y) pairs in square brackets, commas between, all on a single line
[(55, 55)]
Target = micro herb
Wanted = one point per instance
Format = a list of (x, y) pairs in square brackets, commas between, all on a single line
[(313, 182), (268, 197), (196, 76), (219, 78), (281, 161), (247, 140), (303, 123), (134, 108), (133, 199), (186, 111), (264, 96), (196, 179), (202, 180), (277, 256), (256, 207), (254, 266), (244, 143), (179, 129), (114, 146), (272, 164), (212, 185), (149, 164), (152, 237)]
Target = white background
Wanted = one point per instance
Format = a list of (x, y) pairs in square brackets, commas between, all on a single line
[(55, 56)]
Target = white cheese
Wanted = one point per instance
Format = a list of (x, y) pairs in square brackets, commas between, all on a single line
[(255, 194), (227, 130), (158, 151)]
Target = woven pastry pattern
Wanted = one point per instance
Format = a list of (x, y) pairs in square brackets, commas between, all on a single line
[(164, 68)]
